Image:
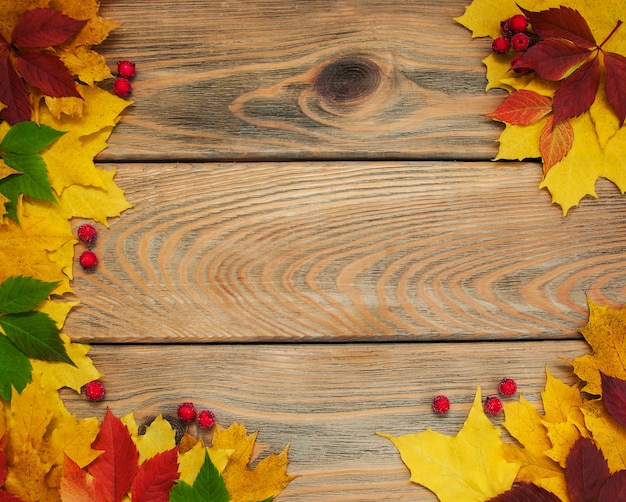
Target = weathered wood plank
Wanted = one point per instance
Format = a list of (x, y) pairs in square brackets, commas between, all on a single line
[(326, 401), (276, 79), (333, 251)]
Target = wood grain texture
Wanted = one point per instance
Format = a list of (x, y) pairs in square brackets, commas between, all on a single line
[(309, 79), (326, 401), (356, 251)]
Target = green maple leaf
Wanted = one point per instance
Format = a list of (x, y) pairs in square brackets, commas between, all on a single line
[(19, 150), (209, 485), (27, 332)]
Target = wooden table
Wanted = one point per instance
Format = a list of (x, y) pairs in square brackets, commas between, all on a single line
[(320, 242)]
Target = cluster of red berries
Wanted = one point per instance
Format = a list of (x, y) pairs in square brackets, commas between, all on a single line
[(187, 413), (87, 234), (125, 72), (94, 390), (515, 37), (492, 404)]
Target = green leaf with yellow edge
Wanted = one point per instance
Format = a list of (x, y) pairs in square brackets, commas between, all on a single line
[(267, 479), (605, 332), (525, 424), (607, 433), (470, 466)]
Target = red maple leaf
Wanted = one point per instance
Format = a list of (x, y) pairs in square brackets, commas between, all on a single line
[(568, 52), (27, 60), (156, 477)]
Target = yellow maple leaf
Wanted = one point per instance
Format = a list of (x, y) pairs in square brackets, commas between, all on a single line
[(609, 435), (265, 480), (158, 437), (12, 10), (191, 460), (605, 332), (483, 17), (470, 466), (525, 424)]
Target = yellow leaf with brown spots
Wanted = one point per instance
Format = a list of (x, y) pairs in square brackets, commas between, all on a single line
[(267, 479)]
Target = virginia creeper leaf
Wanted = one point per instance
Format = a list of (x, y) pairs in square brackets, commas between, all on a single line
[(44, 28), (586, 471), (614, 488), (36, 335), (3, 461), (209, 485), (522, 108), (577, 93), (561, 22), (555, 142), (114, 470), (614, 79), (28, 138), (614, 395), (156, 477), (13, 94), (553, 59), (47, 73), (15, 369), (526, 492), (21, 294)]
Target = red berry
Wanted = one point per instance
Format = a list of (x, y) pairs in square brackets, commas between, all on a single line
[(187, 412), (507, 387), (126, 69), (87, 233), (88, 259), (492, 405), (121, 87), (441, 404), (520, 42), (94, 390), (517, 24), (500, 45), (206, 419)]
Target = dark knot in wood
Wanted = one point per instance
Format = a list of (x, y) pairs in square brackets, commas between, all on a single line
[(348, 79)]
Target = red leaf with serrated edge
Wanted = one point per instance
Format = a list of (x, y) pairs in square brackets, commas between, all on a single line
[(553, 59), (586, 471), (615, 77), (114, 470), (555, 142), (522, 108), (526, 492), (13, 94), (47, 73), (155, 478), (561, 22), (578, 92), (44, 28), (75, 487), (614, 397), (614, 489)]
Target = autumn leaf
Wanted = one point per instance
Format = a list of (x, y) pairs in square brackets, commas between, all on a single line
[(614, 395), (586, 471), (114, 470), (607, 433), (244, 484), (605, 332), (209, 485), (469, 467), (156, 477), (522, 108), (526, 492), (555, 142)]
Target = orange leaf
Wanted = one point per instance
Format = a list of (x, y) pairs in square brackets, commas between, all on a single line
[(522, 108), (555, 142)]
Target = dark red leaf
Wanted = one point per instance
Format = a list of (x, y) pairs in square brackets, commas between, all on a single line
[(586, 471), (44, 28), (13, 94), (526, 492), (522, 108), (3, 468), (9, 497), (561, 22), (155, 478), (614, 85), (555, 142), (553, 59), (614, 397), (614, 489), (47, 73), (578, 91), (114, 470)]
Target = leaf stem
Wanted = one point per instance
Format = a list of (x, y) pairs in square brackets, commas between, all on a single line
[(619, 22)]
